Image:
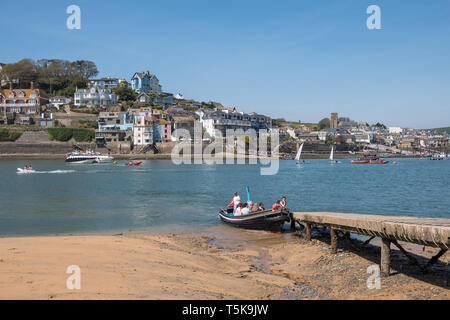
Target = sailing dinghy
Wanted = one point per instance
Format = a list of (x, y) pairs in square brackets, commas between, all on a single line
[(299, 154), (332, 161)]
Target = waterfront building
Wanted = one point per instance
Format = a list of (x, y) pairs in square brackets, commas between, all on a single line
[(94, 96), (23, 101), (162, 131), (216, 123), (115, 120), (186, 123), (112, 138), (59, 101), (143, 131), (334, 120), (145, 82)]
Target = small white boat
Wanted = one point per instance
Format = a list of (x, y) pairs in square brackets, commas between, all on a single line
[(299, 154), (87, 157), (332, 161), (28, 170)]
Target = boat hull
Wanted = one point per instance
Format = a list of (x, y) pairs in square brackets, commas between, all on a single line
[(133, 164), (359, 162), (19, 170), (266, 220), (378, 162)]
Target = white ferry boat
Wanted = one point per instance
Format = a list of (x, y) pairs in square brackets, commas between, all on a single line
[(87, 157)]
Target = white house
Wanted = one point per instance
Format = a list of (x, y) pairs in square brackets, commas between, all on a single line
[(94, 96), (59, 101), (143, 131), (395, 130)]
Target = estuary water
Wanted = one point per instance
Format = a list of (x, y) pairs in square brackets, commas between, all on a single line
[(159, 196)]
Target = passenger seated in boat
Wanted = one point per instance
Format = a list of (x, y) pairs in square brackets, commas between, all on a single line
[(283, 202), (237, 211), (276, 206), (261, 207), (255, 207), (245, 210)]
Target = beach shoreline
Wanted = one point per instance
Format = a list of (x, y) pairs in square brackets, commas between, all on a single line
[(219, 263)]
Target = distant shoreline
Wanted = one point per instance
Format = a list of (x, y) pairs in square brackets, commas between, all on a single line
[(42, 156)]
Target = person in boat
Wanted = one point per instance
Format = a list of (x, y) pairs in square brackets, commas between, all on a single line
[(255, 207), (237, 211), (236, 200), (245, 210), (276, 206), (261, 207), (283, 202)]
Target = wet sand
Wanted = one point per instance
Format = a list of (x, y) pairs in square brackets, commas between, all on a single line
[(221, 263)]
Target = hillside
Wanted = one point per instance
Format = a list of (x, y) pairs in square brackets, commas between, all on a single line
[(443, 130)]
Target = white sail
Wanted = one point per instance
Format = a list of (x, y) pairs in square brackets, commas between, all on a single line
[(332, 152), (299, 153)]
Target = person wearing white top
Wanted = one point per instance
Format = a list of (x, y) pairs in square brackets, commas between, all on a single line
[(236, 200), (245, 211), (237, 211)]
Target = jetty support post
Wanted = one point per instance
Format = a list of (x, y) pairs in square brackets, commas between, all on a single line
[(385, 257), (435, 259), (334, 240), (308, 231)]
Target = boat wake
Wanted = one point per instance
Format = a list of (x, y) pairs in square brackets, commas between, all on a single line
[(41, 172)]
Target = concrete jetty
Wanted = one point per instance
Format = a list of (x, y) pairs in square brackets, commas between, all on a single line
[(434, 232)]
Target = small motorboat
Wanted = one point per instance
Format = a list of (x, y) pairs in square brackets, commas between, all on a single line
[(263, 220), (25, 170), (380, 161), (130, 164)]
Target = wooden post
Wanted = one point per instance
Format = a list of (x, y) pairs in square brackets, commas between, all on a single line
[(385, 257), (435, 259), (308, 231), (291, 215), (334, 240)]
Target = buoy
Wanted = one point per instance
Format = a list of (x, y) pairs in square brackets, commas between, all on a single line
[(395, 162)]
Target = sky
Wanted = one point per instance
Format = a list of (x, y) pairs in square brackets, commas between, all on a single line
[(298, 60)]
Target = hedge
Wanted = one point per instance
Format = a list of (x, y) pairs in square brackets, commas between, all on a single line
[(9, 135), (65, 134)]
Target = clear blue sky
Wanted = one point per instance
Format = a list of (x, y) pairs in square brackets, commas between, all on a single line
[(295, 59)]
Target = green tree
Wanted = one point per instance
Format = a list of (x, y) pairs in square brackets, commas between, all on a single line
[(21, 73), (125, 94), (380, 125), (324, 124)]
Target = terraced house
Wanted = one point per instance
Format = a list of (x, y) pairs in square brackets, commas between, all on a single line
[(216, 123)]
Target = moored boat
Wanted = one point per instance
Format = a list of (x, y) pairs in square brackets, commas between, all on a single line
[(359, 161), (130, 164), (380, 161), (263, 220), (87, 157)]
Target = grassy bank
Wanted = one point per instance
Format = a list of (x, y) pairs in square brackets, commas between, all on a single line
[(65, 134), (7, 135)]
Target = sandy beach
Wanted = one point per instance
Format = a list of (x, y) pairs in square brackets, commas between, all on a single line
[(222, 263)]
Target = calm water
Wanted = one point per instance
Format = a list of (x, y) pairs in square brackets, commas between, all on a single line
[(162, 197)]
